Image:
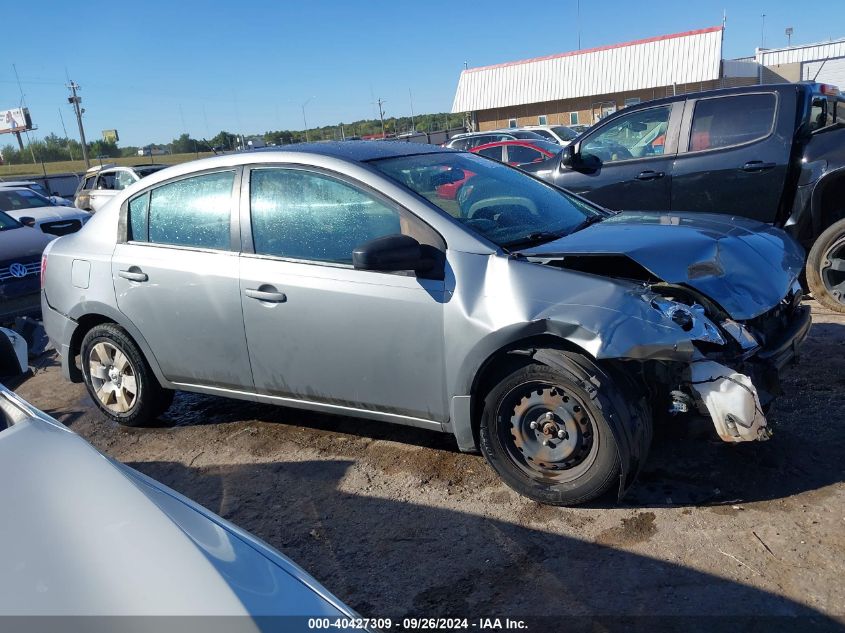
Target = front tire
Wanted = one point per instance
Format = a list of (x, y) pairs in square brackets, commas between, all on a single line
[(826, 267), (548, 437), (119, 379)]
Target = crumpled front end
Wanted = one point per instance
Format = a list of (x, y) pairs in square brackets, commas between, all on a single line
[(735, 373)]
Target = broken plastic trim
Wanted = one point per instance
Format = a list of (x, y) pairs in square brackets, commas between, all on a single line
[(731, 400)]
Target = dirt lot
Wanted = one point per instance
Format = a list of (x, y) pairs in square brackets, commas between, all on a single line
[(397, 522)]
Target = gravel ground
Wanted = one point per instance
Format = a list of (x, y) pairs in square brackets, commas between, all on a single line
[(396, 522)]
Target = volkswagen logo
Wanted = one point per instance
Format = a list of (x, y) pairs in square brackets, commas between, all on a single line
[(18, 270)]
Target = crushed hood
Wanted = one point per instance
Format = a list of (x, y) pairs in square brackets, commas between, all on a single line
[(745, 266)]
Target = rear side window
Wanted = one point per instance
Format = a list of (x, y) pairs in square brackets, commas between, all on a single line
[(298, 214), (88, 183), (726, 121), (191, 212), (491, 152)]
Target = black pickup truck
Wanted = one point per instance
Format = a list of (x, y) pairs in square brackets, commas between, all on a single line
[(774, 153)]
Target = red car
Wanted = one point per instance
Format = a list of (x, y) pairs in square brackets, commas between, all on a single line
[(514, 152), (520, 152)]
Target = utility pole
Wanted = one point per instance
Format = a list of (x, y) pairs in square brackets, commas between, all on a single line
[(789, 31), (75, 100), (763, 30), (380, 103), (413, 123)]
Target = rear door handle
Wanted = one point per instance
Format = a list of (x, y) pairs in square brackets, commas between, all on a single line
[(650, 174), (133, 274), (271, 296), (757, 165)]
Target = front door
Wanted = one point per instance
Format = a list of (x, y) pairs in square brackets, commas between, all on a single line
[(734, 155), (320, 331), (176, 279), (627, 163)]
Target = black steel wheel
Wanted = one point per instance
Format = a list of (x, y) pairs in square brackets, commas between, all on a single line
[(546, 431)]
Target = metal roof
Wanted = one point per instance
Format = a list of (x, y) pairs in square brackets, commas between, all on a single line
[(802, 53), (689, 57)]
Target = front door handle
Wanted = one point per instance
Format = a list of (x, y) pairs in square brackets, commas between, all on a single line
[(270, 296), (758, 165), (133, 274), (650, 174)]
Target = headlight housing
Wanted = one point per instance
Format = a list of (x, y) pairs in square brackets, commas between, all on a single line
[(690, 318)]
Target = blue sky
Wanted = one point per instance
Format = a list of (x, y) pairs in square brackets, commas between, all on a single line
[(145, 67)]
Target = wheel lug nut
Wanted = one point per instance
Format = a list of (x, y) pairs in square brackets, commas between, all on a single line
[(562, 434), (534, 424)]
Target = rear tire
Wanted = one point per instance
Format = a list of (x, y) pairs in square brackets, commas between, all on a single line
[(826, 267), (570, 456), (119, 379)]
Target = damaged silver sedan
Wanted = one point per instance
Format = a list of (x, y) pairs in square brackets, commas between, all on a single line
[(433, 288)]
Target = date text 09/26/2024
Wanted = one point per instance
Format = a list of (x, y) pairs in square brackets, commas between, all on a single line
[(422, 624)]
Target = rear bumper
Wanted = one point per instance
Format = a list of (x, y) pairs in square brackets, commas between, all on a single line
[(60, 330)]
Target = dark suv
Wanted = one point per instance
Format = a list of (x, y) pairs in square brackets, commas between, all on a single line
[(774, 153)]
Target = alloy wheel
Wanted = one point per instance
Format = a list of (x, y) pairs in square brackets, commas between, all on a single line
[(113, 377)]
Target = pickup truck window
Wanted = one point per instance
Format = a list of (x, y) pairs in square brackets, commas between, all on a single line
[(638, 135), (727, 121)]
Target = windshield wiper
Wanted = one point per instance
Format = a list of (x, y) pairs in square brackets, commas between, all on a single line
[(588, 222), (538, 237)]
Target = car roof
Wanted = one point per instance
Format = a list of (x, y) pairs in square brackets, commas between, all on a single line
[(359, 151)]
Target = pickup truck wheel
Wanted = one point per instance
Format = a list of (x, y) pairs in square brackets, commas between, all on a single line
[(826, 267), (118, 378), (547, 437)]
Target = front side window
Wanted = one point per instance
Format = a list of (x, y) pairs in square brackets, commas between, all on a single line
[(637, 135), (298, 214), (726, 121), (190, 212)]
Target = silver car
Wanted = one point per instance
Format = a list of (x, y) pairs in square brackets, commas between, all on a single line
[(525, 321), (83, 535)]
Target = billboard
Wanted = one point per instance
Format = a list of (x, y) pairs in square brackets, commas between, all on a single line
[(110, 136), (15, 120)]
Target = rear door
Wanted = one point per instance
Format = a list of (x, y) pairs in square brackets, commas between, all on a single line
[(176, 279), (734, 154), (627, 162)]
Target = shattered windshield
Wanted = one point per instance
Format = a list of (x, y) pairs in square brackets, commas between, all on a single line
[(502, 204)]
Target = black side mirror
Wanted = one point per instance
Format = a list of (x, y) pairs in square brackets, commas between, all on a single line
[(567, 156), (27, 221), (389, 253)]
